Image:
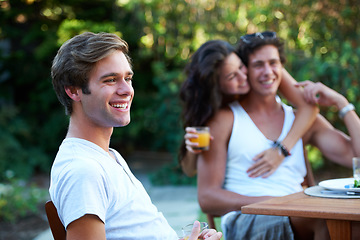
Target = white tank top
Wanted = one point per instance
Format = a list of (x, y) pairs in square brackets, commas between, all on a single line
[(246, 141)]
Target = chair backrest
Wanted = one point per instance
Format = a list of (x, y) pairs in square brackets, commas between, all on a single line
[(57, 228), (309, 179), (211, 220), (308, 182)]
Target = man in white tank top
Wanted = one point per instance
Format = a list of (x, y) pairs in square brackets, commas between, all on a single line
[(255, 123)]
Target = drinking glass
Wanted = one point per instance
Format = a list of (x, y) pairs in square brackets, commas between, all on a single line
[(356, 168), (203, 138), (188, 228)]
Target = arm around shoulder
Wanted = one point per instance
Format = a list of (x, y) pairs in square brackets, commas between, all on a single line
[(306, 112)]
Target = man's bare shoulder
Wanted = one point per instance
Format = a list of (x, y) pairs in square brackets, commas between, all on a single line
[(222, 115), (221, 123)]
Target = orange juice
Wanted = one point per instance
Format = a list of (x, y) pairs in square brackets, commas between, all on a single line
[(203, 140)]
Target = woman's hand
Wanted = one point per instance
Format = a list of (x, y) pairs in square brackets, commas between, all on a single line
[(266, 163), (318, 93), (191, 134)]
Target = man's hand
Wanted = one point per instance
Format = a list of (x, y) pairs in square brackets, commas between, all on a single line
[(209, 234), (266, 163)]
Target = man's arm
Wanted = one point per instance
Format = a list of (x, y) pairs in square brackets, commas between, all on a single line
[(334, 144), (88, 227), (212, 197)]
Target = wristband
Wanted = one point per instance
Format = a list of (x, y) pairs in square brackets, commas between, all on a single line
[(282, 148), (345, 110)]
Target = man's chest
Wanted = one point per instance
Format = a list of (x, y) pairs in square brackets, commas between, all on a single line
[(270, 125)]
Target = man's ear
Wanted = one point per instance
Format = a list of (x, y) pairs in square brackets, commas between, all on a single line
[(73, 92)]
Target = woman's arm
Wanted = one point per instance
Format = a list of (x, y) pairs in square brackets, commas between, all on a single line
[(268, 161), (189, 158), (306, 112), (188, 163)]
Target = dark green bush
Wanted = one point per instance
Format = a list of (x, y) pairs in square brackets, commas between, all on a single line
[(321, 39)]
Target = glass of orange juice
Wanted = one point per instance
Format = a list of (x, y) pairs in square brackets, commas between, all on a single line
[(188, 228), (203, 138)]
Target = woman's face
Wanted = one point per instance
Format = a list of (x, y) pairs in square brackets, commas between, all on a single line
[(233, 76)]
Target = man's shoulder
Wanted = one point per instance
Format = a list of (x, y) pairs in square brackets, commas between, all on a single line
[(221, 123), (223, 115), (78, 159)]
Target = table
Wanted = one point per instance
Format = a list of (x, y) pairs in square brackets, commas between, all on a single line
[(339, 213)]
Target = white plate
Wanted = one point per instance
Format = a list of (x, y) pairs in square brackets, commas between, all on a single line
[(340, 184)]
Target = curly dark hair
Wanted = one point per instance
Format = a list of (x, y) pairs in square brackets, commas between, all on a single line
[(247, 47), (200, 92)]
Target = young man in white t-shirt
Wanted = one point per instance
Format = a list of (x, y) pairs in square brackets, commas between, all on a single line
[(94, 191)]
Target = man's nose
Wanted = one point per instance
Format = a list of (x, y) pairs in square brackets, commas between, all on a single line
[(125, 88), (267, 68)]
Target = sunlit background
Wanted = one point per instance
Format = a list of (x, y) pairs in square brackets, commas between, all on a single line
[(322, 41)]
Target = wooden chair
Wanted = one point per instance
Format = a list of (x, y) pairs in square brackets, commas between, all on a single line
[(211, 220), (309, 181), (57, 228)]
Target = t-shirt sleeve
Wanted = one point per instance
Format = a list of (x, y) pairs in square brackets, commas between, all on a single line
[(81, 190)]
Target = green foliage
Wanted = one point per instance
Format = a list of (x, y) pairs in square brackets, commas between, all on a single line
[(17, 200), (321, 39), (17, 154), (315, 157)]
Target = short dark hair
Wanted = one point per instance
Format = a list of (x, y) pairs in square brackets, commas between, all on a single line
[(77, 57), (246, 47)]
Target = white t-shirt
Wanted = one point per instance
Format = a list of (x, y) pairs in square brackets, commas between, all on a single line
[(86, 180)]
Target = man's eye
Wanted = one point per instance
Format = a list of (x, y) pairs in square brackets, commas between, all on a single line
[(275, 62), (110, 80), (128, 79)]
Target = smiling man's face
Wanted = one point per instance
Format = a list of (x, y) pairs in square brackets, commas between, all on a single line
[(264, 70), (111, 92)]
